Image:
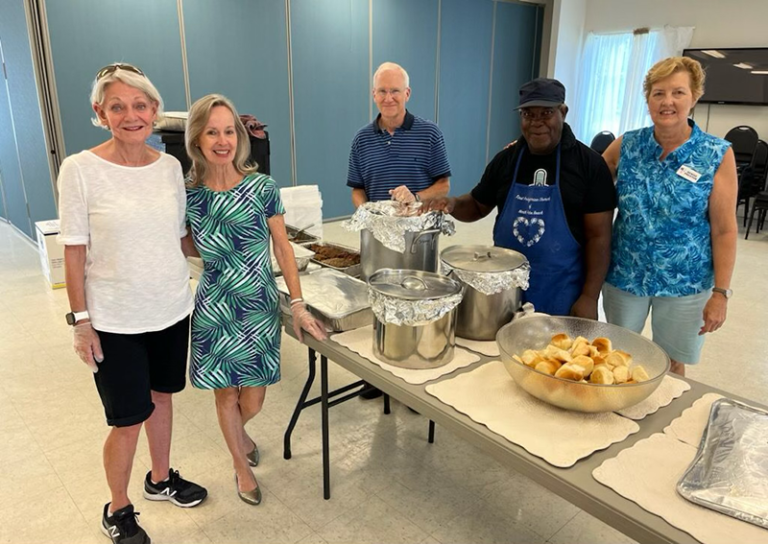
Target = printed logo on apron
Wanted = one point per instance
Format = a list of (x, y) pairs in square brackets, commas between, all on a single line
[(528, 231)]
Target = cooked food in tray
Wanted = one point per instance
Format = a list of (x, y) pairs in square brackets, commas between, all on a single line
[(334, 256), (580, 360)]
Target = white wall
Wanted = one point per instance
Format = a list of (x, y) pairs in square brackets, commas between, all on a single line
[(719, 23), (567, 41)]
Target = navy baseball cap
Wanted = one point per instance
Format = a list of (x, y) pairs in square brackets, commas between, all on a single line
[(542, 92)]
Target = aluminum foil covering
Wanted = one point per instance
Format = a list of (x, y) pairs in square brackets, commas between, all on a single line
[(389, 220), (331, 292), (730, 471), (413, 313), (490, 283)]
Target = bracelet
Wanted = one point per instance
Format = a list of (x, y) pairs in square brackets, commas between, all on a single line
[(296, 300)]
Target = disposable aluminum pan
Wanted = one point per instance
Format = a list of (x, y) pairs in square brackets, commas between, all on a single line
[(335, 298), (301, 254), (300, 236), (353, 270), (730, 471)]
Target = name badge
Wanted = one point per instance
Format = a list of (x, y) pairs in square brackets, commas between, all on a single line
[(688, 173)]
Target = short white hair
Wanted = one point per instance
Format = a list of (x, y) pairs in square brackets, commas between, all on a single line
[(142, 83), (386, 66)]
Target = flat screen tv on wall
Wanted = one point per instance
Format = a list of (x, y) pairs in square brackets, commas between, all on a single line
[(734, 76)]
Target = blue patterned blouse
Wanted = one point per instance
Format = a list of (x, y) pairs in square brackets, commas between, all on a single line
[(661, 238)]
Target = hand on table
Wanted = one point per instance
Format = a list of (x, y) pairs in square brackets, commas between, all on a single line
[(304, 321)]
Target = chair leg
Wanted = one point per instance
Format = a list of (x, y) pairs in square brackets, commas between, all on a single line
[(749, 226), (761, 221), (746, 210)]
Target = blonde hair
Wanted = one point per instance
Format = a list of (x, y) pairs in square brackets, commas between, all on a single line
[(198, 119), (672, 65), (386, 66), (132, 79)]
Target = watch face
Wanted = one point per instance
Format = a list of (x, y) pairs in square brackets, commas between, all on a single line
[(70, 318)]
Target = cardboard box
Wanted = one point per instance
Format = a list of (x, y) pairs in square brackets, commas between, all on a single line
[(51, 253)]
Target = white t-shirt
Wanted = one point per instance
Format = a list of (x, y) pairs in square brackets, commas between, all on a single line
[(132, 220)]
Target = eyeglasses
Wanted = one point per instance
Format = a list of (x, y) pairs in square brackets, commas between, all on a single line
[(544, 115), (394, 93), (111, 68)]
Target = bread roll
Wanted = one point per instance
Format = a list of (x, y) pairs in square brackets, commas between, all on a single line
[(601, 374), (531, 357), (627, 357), (553, 352), (548, 367), (570, 371), (620, 374), (585, 362), (639, 374), (602, 344), (614, 359), (562, 341)]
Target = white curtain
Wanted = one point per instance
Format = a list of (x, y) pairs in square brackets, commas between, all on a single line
[(610, 94)]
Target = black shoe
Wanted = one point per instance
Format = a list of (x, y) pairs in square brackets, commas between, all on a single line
[(370, 392), (175, 489), (123, 527)]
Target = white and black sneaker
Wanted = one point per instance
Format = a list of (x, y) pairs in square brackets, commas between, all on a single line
[(123, 527), (176, 489)]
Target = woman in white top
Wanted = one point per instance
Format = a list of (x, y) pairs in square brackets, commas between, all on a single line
[(122, 208)]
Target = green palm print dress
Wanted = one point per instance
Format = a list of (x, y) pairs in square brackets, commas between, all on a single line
[(236, 322)]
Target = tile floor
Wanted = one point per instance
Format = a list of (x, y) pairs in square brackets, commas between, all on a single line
[(389, 484)]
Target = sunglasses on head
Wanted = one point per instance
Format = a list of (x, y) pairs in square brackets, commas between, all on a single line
[(111, 68)]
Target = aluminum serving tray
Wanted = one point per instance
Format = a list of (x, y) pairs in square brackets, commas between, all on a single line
[(302, 255), (304, 240), (335, 298), (730, 471), (354, 270)]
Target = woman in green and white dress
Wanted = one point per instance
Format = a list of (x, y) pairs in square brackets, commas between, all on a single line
[(233, 211)]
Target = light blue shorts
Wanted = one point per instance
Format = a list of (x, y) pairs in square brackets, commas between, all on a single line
[(675, 321)]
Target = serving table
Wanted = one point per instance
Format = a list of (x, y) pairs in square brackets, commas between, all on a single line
[(574, 484)]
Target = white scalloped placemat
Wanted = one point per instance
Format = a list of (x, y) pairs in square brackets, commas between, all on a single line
[(361, 342), (668, 390), (489, 396), (689, 427), (647, 474), (489, 347)]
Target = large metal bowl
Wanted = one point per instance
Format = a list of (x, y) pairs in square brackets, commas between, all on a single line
[(535, 332)]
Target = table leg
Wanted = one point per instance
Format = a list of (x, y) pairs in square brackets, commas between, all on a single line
[(324, 417), (431, 432), (386, 404), (311, 359)]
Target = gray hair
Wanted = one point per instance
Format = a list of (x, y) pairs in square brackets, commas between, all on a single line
[(386, 66), (142, 83)]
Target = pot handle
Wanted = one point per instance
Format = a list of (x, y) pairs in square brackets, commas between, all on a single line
[(482, 256), (424, 233)]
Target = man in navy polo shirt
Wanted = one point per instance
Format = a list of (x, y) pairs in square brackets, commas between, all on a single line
[(398, 156)]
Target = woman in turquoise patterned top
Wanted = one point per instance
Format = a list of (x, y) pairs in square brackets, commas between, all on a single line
[(674, 239), (233, 211)]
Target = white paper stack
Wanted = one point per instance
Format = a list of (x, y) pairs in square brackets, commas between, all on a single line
[(303, 208)]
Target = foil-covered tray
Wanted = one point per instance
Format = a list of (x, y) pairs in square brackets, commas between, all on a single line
[(353, 270), (335, 298), (730, 471)]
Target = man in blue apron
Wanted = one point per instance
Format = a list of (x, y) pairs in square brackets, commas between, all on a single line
[(555, 198)]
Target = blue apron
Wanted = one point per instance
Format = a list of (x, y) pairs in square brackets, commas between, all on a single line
[(533, 222)]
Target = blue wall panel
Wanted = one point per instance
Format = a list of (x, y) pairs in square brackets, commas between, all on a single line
[(405, 32), (88, 34), (514, 61), (249, 64), (465, 68), (15, 202), (25, 108), (331, 92)]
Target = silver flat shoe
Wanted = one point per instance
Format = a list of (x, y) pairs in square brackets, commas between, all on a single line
[(253, 457), (252, 497)]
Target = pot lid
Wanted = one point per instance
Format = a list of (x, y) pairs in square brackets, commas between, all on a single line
[(482, 258), (413, 284)]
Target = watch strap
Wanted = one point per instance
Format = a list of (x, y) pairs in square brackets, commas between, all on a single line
[(725, 292)]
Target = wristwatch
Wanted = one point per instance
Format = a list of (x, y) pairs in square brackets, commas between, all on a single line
[(74, 317), (727, 293)]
